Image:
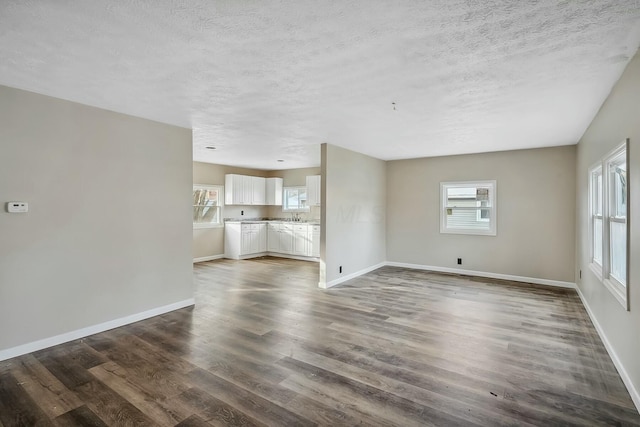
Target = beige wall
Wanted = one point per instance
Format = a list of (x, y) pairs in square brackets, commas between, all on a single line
[(353, 220), (107, 233), (209, 242), (618, 119), (536, 213)]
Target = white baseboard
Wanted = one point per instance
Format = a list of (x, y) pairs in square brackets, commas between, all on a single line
[(90, 330), (273, 254), (535, 280), (524, 279), (208, 258), (633, 391), (350, 276)]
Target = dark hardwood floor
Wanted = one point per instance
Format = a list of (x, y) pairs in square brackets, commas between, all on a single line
[(264, 346)]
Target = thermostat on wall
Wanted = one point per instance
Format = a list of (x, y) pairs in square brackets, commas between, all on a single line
[(17, 207)]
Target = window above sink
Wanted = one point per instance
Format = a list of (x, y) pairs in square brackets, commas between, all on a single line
[(295, 199)]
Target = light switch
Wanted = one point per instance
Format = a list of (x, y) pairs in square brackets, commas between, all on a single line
[(17, 207)]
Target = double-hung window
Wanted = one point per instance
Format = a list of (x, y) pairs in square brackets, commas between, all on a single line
[(608, 231), (468, 207), (207, 206)]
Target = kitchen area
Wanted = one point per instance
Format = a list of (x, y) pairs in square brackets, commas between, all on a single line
[(293, 234), (260, 213)]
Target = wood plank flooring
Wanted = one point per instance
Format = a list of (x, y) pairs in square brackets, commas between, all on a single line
[(396, 347)]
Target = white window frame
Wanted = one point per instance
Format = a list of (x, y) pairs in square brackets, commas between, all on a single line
[(594, 172), (285, 207), (619, 290), (220, 222), (493, 216)]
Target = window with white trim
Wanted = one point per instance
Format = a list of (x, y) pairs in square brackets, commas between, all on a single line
[(294, 199), (468, 207), (608, 233), (207, 206)]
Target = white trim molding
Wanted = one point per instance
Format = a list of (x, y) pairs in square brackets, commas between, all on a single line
[(350, 276), (207, 258), (626, 379), (547, 282), (534, 280), (90, 330)]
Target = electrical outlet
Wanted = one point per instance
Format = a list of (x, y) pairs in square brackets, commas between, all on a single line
[(459, 261), (17, 207), (340, 269), (241, 212)]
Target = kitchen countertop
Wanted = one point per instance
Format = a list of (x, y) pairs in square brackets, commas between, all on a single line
[(263, 221)]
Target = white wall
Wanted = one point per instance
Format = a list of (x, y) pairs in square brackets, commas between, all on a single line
[(353, 220), (108, 231), (536, 213), (617, 119)]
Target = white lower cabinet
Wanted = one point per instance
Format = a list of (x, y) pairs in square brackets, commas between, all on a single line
[(254, 238), (315, 240), (285, 239), (273, 237), (301, 240), (243, 240)]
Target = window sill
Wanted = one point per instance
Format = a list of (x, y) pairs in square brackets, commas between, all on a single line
[(469, 232), (597, 270), (618, 291), (206, 226)]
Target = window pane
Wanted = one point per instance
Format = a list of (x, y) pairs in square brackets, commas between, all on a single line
[(206, 205), (469, 219), (597, 240), (206, 214), (598, 194), (467, 196), (619, 184), (295, 198), (619, 251)]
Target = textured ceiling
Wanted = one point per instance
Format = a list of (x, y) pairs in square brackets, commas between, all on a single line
[(272, 80)]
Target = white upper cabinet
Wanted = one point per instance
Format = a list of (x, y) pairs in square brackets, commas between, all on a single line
[(244, 190), (234, 190), (273, 191), (313, 190), (258, 187)]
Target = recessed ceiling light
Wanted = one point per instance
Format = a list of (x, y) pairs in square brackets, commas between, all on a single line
[(210, 148), (280, 160)]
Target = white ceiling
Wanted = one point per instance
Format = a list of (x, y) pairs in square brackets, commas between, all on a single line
[(263, 81)]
